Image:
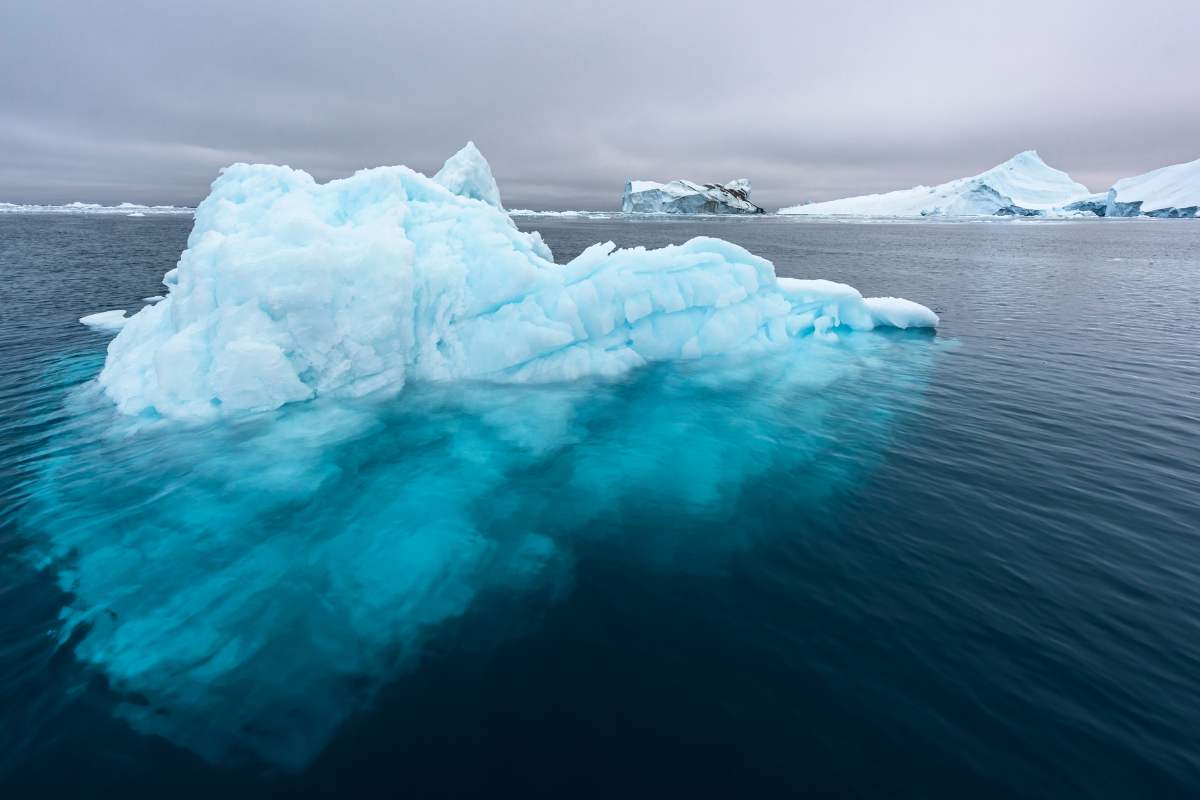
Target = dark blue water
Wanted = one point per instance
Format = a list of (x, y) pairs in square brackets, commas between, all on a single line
[(907, 567)]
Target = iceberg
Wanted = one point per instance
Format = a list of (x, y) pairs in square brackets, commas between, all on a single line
[(685, 197), (106, 320), (1172, 191), (1023, 186), (290, 289), (126, 209)]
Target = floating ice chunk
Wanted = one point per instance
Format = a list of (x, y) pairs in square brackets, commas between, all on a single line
[(106, 320), (136, 214), (154, 298), (896, 312), (291, 289)]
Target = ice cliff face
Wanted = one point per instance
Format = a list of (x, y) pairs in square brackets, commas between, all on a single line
[(290, 289), (1172, 191), (685, 197), (1022, 186)]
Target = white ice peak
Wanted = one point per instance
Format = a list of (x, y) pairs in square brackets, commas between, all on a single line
[(1024, 185), (468, 174)]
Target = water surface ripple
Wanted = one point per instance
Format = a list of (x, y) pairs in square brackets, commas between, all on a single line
[(962, 566)]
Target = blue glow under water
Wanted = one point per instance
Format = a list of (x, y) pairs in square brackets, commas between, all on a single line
[(898, 566)]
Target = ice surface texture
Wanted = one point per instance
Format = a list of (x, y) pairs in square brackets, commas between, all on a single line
[(290, 289), (1022, 186)]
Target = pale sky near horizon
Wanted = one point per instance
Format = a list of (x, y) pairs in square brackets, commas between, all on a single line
[(145, 101)]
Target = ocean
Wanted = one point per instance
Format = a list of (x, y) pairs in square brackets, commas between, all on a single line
[(911, 565)]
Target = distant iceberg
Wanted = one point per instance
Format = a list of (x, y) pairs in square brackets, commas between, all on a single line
[(685, 197), (126, 209), (1167, 192), (1023, 186), (291, 289)]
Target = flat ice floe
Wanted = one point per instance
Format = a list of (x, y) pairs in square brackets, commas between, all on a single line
[(290, 289), (106, 320)]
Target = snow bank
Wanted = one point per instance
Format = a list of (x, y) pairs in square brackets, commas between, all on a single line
[(1172, 191), (1022, 186), (106, 320), (290, 289)]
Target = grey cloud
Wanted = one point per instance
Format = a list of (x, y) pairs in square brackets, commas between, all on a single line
[(145, 101)]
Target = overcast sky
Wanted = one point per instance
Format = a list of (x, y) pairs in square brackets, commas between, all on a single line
[(145, 101)]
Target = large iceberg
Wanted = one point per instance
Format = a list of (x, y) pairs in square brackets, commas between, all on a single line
[(685, 197), (1023, 186), (291, 289), (1172, 191)]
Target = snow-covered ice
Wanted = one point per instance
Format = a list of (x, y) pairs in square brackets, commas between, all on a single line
[(113, 320), (1172, 191), (290, 289), (1022, 186), (686, 197)]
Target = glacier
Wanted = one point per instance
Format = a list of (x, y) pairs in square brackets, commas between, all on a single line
[(686, 197), (1023, 186), (290, 289)]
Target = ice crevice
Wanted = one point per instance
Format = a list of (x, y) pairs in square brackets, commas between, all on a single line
[(291, 289)]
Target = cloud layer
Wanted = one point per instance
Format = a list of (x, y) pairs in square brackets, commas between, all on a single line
[(145, 101)]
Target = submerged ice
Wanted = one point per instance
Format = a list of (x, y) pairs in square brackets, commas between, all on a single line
[(245, 586), (290, 289)]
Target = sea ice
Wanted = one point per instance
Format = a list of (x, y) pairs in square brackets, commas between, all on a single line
[(127, 209), (290, 289), (113, 320)]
